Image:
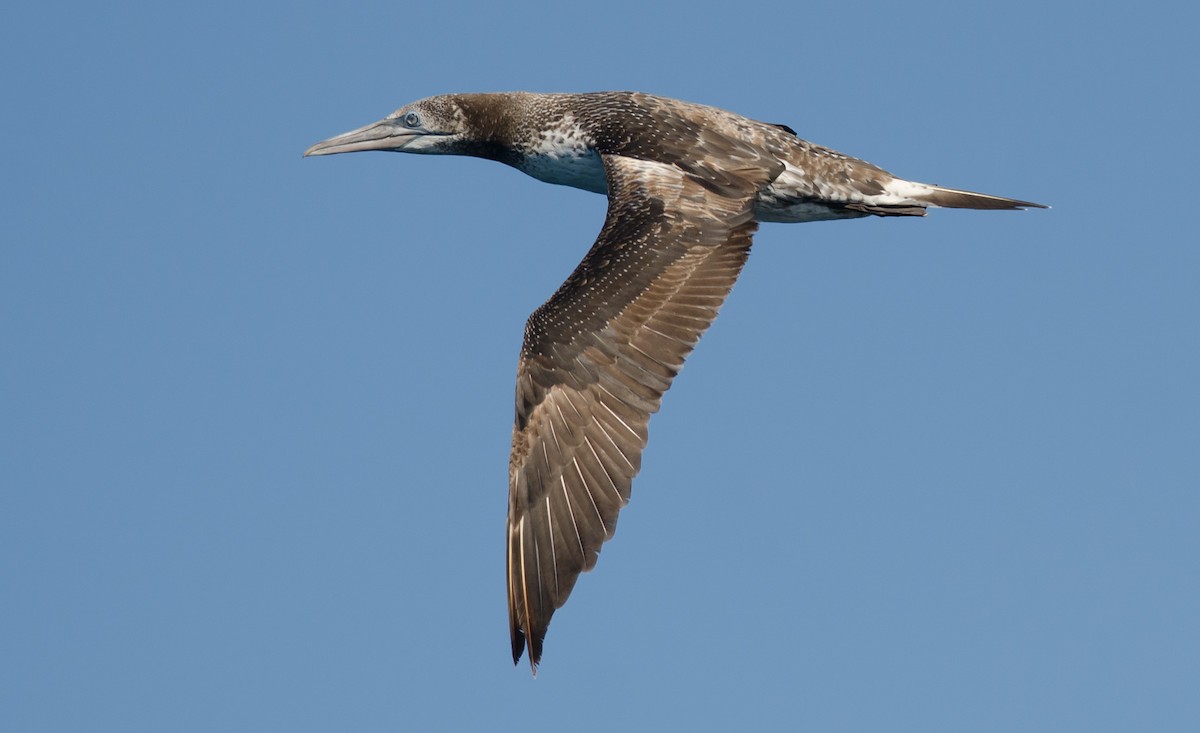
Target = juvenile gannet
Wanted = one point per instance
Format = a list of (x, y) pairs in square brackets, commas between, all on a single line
[(687, 185)]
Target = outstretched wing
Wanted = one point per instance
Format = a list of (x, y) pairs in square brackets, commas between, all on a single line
[(596, 360)]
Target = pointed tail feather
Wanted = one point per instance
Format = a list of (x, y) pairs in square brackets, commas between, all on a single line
[(953, 198)]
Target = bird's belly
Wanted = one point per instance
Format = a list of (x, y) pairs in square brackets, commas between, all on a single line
[(576, 168), (782, 201)]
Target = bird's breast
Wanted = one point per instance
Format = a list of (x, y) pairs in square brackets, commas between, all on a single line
[(564, 155)]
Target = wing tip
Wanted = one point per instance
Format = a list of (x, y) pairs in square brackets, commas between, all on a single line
[(518, 650), (519, 624), (518, 645)]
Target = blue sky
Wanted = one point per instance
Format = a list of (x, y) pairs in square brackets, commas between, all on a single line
[(925, 475)]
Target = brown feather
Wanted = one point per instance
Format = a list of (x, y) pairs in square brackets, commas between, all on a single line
[(598, 357)]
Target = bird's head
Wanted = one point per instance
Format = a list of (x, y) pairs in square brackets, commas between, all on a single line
[(430, 125)]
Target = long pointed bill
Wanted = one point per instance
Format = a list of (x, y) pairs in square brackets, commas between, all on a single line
[(382, 135)]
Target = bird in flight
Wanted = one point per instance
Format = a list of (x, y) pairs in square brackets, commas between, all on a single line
[(687, 185)]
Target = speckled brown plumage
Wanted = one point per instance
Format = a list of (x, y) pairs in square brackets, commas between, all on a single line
[(687, 185), (597, 358)]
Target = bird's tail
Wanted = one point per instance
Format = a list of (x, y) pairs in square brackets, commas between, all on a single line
[(953, 198)]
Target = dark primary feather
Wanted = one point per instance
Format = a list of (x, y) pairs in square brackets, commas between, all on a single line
[(597, 358)]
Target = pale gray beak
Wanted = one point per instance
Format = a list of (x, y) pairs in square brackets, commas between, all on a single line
[(383, 135)]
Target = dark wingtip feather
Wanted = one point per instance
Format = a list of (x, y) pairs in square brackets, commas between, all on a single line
[(535, 647), (535, 652), (518, 645)]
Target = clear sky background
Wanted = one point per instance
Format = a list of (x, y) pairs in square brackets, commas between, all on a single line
[(936, 474)]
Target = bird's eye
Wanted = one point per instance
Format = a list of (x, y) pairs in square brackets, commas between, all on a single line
[(412, 119)]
